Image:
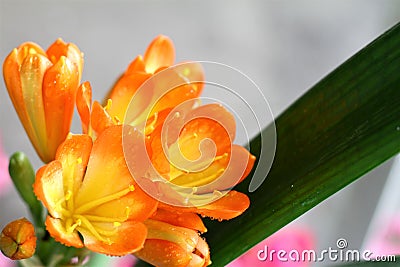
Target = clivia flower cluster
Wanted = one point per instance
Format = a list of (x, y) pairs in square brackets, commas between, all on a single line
[(92, 183)]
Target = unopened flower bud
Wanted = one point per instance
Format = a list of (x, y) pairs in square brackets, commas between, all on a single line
[(18, 240)]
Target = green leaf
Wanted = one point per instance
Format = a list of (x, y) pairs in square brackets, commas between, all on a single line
[(344, 126)]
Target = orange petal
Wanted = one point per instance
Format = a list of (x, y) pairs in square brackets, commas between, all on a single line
[(172, 89), (195, 160), (13, 83), (160, 53), (136, 205), (139, 162), (107, 167), (166, 89), (200, 140), (74, 154), (204, 180), (190, 249), (182, 219), (60, 85), (250, 162), (229, 206), (184, 237), (204, 250), (129, 238), (58, 232), (193, 73), (220, 121), (49, 186), (100, 119), (236, 168), (123, 91), (155, 121), (158, 157), (29, 48), (59, 48), (83, 103), (32, 73), (137, 65), (154, 252)]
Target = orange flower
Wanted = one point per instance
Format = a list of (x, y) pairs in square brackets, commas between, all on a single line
[(88, 190), (175, 86), (18, 240), (177, 234), (152, 130), (192, 152), (42, 86)]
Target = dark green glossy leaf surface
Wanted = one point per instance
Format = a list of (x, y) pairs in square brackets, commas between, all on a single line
[(344, 126)]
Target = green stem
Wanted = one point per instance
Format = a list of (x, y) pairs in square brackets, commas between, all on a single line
[(23, 177)]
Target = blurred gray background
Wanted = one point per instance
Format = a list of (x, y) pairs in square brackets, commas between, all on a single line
[(283, 46)]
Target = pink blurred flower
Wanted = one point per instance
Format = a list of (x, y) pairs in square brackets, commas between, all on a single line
[(386, 240), (5, 180), (6, 262), (127, 261), (287, 239)]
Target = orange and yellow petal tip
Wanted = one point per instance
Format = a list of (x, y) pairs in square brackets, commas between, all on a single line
[(160, 53)]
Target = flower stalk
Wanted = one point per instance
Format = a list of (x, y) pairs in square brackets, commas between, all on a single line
[(23, 177)]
